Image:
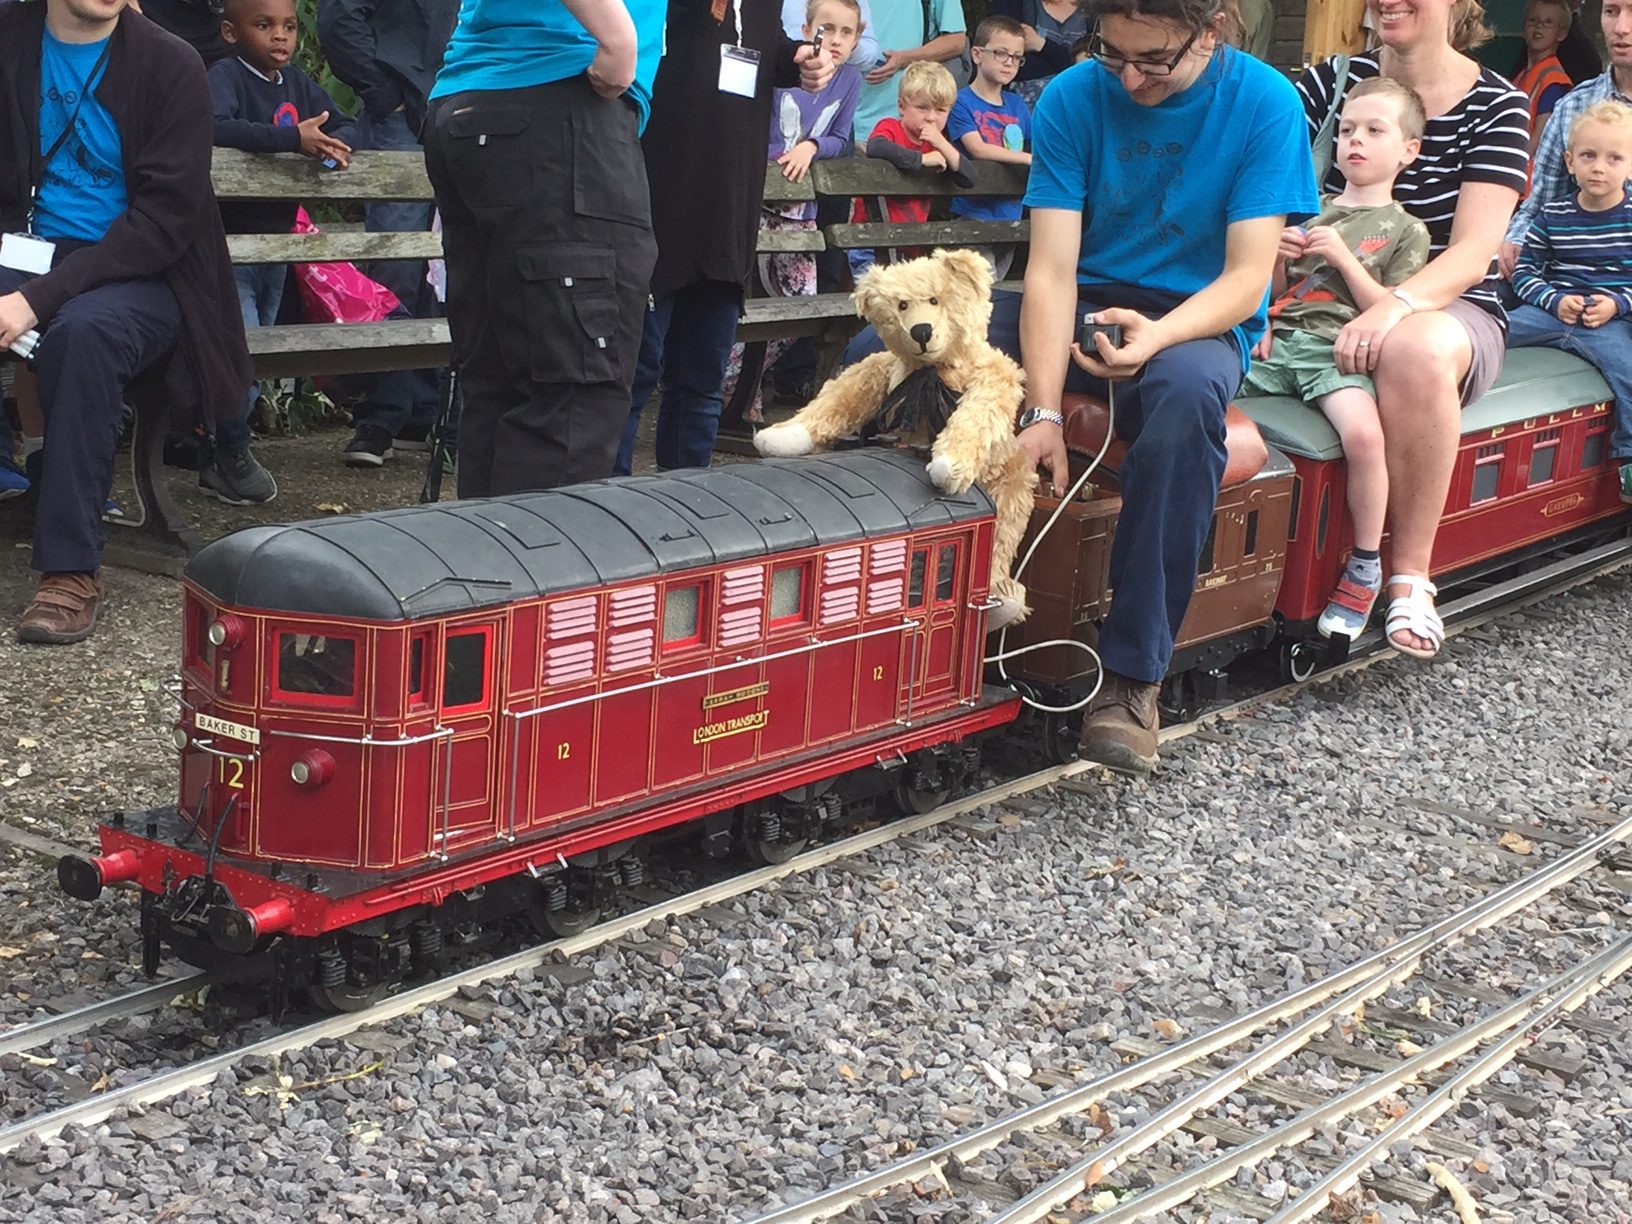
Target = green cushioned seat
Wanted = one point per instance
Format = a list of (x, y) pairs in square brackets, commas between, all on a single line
[(1534, 382)]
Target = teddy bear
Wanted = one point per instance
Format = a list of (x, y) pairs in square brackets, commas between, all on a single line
[(939, 383)]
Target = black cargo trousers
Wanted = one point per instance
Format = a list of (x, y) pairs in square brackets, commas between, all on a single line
[(547, 232)]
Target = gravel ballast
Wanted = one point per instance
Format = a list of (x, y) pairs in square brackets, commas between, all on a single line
[(712, 1066)]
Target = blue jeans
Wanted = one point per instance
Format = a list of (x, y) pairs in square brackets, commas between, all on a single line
[(687, 342), (398, 397), (1608, 347), (260, 294), (1173, 412)]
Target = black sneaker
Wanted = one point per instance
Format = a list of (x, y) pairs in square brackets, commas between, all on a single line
[(413, 437), (370, 446), (238, 480)]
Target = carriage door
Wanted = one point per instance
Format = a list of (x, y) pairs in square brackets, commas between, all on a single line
[(469, 710), (935, 589)]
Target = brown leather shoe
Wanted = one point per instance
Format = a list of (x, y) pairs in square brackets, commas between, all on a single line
[(1120, 730), (63, 610)]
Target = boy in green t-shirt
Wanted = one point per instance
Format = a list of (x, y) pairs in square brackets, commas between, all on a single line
[(1351, 255)]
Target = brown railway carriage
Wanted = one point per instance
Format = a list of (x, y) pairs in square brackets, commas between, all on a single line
[(382, 711)]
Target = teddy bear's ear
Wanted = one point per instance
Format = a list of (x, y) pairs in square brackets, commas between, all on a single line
[(969, 269), (866, 297)]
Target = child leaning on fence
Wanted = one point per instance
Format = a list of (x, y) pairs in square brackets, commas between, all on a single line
[(1348, 257), (264, 104), (805, 127), (1575, 271)]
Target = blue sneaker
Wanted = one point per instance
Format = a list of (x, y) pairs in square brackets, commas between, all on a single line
[(13, 481)]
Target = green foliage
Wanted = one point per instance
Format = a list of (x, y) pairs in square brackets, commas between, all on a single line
[(291, 411), (309, 55)]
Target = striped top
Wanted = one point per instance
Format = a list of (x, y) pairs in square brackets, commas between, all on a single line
[(1571, 250), (1552, 181), (1484, 138)]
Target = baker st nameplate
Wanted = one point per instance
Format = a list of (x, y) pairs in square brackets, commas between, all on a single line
[(742, 694)]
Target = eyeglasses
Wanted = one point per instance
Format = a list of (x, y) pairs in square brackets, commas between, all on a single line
[(1550, 23), (1004, 57), (1114, 60)]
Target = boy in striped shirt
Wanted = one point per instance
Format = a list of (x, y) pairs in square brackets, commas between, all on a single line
[(1575, 272)]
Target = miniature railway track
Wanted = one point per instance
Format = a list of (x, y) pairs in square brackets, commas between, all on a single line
[(1338, 995), (1459, 614)]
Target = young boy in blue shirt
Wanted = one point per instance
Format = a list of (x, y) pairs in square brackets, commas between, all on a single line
[(1575, 271), (264, 104), (990, 123)]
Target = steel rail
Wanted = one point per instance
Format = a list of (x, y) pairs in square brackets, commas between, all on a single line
[(1315, 1199), (50, 1028), (1491, 908), (1300, 1127)]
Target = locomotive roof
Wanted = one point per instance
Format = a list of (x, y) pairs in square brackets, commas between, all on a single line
[(424, 561)]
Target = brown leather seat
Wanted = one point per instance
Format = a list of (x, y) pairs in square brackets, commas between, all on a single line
[(1086, 418)]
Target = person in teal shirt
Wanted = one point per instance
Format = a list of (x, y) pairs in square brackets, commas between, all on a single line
[(533, 149)]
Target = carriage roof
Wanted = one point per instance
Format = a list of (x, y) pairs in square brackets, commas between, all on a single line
[(436, 560)]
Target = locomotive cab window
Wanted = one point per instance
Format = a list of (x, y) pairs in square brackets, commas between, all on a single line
[(946, 571), (464, 668), (419, 688), (315, 666), (682, 619), (788, 594), (915, 582)]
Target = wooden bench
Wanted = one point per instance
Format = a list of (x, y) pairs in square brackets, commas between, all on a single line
[(831, 317)]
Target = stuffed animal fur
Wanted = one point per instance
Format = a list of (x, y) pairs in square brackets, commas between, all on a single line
[(932, 315)]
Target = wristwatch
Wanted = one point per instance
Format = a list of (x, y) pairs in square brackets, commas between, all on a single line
[(1032, 415), (1411, 303)]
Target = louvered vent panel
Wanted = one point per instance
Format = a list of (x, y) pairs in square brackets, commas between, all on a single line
[(841, 586), (886, 586), (630, 649), (569, 640), (632, 618), (742, 605), (636, 606), (569, 662)]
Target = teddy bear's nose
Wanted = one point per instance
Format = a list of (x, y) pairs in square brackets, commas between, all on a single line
[(921, 332)]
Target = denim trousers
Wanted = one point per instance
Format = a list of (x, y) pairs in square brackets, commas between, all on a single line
[(1609, 347), (1172, 412), (88, 353), (260, 294), (686, 344)]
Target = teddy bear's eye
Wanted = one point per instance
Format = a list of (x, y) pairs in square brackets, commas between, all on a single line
[(934, 301), (903, 305)]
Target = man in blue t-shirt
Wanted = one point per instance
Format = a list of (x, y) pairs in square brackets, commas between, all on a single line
[(533, 148), (1162, 175), (105, 273)]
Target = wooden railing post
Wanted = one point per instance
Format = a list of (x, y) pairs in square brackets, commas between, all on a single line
[(1332, 26)]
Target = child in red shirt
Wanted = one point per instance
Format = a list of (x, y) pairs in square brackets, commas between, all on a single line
[(916, 141)]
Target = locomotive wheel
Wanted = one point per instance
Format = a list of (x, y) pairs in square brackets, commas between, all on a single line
[(915, 801), (1299, 661), (1059, 739), (565, 923), (774, 853), (347, 998)]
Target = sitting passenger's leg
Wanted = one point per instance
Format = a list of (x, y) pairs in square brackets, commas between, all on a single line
[(1352, 410), (233, 473), (1170, 481), (93, 347), (1609, 347)]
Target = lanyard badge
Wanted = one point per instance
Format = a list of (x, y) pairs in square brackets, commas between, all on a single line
[(739, 65)]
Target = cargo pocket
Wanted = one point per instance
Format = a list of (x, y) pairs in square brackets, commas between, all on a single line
[(487, 149), (572, 312), (608, 166)]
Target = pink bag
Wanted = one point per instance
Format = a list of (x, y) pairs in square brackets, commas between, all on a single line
[(338, 292)]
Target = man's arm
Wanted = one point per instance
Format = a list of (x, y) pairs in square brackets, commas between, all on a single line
[(1048, 311), (345, 31), (1233, 296), (608, 22)]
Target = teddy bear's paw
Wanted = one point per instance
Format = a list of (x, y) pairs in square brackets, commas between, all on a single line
[(1011, 606), (948, 476), (783, 441)]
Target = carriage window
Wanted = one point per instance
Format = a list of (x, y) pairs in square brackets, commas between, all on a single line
[(946, 569), (915, 586), (788, 593), (1592, 450), (417, 694), (1251, 545), (319, 666), (680, 620), (1487, 472), (464, 669)]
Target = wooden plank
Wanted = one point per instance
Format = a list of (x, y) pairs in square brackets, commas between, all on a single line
[(849, 235), (775, 242), (353, 246), (373, 175), (779, 190), (305, 349), (867, 176), (1331, 26)]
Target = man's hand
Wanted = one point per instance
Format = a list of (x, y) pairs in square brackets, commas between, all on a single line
[(1142, 339), (892, 63), (1600, 309), (796, 161), (1569, 308), (1044, 445), (315, 143), (612, 70), (1507, 259), (16, 317), (1326, 242), (816, 68)]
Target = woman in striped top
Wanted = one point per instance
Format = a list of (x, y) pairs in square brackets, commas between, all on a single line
[(1435, 344)]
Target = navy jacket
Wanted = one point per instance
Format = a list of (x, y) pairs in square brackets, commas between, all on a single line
[(154, 88), (389, 51)]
